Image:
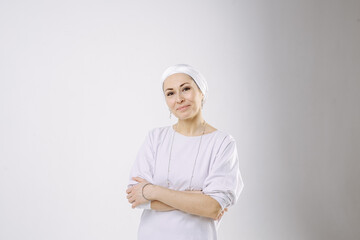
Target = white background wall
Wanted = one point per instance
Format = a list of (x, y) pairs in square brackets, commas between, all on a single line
[(80, 88)]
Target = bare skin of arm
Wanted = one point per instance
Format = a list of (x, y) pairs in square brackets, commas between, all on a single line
[(162, 207), (186, 201)]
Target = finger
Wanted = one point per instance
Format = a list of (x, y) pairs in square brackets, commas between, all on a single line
[(131, 199), (135, 202), (138, 179), (129, 190), (130, 195)]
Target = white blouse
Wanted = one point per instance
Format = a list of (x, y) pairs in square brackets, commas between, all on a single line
[(216, 173)]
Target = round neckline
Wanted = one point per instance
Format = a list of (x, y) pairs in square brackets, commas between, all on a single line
[(192, 136)]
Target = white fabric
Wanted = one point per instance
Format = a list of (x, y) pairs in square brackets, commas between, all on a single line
[(216, 173), (189, 70), (144, 206)]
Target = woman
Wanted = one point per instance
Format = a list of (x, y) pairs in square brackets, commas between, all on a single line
[(185, 176)]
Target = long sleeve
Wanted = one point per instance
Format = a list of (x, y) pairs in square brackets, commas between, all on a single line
[(224, 182), (143, 166)]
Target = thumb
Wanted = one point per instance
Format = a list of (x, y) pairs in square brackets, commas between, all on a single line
[(138, 179)]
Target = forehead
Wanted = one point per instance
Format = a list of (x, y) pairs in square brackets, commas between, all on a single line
[(177, 79)]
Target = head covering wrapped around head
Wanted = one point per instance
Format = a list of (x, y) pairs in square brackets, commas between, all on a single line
[(198, 78)]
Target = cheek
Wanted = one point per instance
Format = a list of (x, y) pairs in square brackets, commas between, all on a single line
[(190, 95), (193, 97), (169, 102)]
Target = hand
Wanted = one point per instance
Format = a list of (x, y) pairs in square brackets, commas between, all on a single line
[(134, 193), (221, 214)]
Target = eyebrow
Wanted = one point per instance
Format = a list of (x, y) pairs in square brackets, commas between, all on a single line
[(180, 86)]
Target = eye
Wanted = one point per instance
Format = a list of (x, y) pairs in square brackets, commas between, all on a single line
[(169, 93), (186, 89)]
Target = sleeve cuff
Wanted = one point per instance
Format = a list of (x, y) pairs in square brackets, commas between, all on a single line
[(225, 199), (145, 205), (221, 202)]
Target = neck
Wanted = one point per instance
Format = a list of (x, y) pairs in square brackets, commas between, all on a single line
[(191, 126)]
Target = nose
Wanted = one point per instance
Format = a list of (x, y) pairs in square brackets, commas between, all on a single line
[(179, 98)]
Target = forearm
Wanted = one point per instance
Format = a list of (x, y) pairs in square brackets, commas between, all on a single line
[(197, 204), (160, 206)]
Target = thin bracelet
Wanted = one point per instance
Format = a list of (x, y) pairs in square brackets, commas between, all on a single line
[(142, 191)]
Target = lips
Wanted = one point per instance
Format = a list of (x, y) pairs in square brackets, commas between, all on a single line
[(183, 107)]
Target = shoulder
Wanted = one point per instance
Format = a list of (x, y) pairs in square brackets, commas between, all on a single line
[(221, 136), (223, 142), (159, 130), (224, 137), (158, 133)]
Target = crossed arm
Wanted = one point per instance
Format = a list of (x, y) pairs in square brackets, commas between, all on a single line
[(164, 199)]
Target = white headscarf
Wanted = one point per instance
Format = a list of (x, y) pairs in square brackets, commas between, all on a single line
[(198, 78)]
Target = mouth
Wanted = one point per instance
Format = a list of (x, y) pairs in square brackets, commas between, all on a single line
[(183, 107)]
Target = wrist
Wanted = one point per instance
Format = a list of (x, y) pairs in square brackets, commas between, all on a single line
[(149, 192)]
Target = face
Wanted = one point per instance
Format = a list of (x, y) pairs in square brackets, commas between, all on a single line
[(182, 95)]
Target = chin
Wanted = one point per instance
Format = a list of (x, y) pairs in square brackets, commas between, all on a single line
[(185, 116)]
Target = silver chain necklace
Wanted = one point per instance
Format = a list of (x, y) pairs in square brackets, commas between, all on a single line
[(192, 175)]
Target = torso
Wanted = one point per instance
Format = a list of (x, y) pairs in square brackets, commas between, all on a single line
[(184, 170)]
